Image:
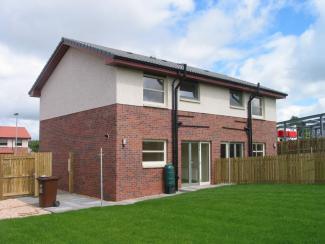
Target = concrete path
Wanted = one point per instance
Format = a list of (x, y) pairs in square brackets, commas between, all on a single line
[(72, 201)]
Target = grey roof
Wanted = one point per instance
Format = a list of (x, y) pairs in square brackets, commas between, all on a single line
[(160, 62), (111, 52)]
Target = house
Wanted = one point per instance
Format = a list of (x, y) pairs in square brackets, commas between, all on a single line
[(8, 140), (92, 97)]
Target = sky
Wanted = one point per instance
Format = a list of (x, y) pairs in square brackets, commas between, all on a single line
[(279, 43)]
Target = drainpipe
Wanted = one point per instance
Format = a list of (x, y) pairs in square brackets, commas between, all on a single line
[(175, 123), (249, 128)]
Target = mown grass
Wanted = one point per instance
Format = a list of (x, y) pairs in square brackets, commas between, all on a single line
[(231, 214)]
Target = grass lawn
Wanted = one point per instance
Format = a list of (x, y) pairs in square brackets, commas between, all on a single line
[(241, 214)]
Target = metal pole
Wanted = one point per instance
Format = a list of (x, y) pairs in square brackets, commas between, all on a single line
[(229, 170), (321, 126), (101, 176), (16, 115)]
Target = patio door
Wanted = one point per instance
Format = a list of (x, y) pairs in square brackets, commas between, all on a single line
[(195, 163)]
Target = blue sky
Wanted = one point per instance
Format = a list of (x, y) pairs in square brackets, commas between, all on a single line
[(275, 42)]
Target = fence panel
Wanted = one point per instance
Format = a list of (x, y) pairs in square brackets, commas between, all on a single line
[(290, 168), (301, 146), (18, 174), (43, 167)]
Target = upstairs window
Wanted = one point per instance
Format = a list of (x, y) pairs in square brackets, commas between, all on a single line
[(257, 107), (189, 90), (236, 98), (3, 142), (153, 90)]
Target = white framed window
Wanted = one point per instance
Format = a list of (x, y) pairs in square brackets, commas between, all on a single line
[(189, 90), (257, 107), (231, 150), (153, 153), (19, 142), (236, 99), (3, 142), (258, 149), (153, 90)]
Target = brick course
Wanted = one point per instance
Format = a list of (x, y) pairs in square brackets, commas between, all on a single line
[(125, 178)]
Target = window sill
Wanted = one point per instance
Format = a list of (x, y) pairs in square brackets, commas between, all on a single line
[(152, 165), (189, 100), (155, 105), (237, 107), (258, 117)]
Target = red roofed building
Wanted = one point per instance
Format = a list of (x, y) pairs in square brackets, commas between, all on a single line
[(8, 139)]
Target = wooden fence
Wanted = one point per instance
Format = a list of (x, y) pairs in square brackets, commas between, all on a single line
[(18, 174), (291, 168), (301, 146)]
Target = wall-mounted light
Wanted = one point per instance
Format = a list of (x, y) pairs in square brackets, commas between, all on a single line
[(124, 142)]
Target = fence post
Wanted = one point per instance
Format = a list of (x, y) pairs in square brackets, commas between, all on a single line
[(36, 165)]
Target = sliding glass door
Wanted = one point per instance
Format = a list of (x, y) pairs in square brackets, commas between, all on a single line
[(195, 162)]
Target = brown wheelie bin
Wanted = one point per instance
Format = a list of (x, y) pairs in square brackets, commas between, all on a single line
[(47, 192)]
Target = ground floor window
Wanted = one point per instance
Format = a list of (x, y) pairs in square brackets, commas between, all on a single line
[(19, 142), (3, 142), (153, 153), (232, 150), (258, 149)]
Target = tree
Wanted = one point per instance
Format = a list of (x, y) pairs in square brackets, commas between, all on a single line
[(34, 145), (303, 132)]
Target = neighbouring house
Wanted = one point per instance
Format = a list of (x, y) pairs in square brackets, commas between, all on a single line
[(92, 97), (8, 140)]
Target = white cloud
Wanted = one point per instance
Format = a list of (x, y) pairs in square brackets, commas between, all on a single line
[(294, 64), (35, 26), (229, 31), (17, 74)]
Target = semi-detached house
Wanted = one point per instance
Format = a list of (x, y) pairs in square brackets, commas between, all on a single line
[(92, 97), (14, 140)]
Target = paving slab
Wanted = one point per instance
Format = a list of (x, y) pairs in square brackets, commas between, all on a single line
[(15, 208)]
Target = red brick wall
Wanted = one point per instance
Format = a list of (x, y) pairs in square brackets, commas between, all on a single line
[(139, 123), (83, 134)]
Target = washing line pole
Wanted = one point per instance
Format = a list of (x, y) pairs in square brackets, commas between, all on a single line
[(101, 176)]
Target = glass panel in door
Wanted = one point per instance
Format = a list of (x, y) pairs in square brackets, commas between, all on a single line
[(185, 163), (195, 163), (205, 161)]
